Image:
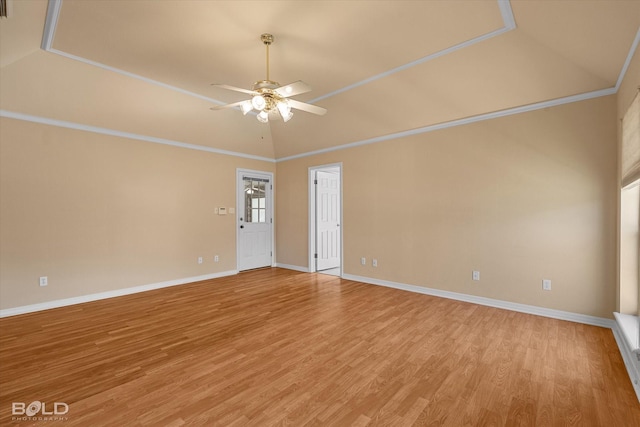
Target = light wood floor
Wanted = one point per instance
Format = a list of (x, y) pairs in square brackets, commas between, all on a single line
[(275, 346)]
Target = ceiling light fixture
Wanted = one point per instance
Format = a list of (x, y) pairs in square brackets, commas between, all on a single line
[(246, 106), (270, 99), (263, 117)]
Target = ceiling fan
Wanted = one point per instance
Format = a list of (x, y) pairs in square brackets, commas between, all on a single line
[(269, 98)]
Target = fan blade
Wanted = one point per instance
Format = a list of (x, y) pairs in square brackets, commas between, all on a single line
[(222, 107), (237, 89), (314, 109), (295, 88)]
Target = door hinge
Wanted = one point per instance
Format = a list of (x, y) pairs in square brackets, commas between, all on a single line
[(315, 256), (271, 220), (315, 181)]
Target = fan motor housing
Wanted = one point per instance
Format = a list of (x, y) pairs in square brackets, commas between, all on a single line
[(265, 84)]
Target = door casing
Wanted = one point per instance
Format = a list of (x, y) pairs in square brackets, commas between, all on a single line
[(312, 216)]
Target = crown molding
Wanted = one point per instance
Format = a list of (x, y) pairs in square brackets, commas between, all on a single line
[(508, 25), (53, 14), (459, 122), (128, 135), (50, 23), (627, 61), (133, 75), (507, 14)]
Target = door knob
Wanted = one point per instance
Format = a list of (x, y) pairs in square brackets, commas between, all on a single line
[(242, 226)]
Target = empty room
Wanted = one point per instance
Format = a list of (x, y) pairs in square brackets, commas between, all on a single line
[(328, 213)]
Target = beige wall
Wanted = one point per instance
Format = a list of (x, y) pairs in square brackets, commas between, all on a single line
[(97, 213), (520, 198)]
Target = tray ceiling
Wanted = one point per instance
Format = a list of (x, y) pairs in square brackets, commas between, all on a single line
[(381, 68)]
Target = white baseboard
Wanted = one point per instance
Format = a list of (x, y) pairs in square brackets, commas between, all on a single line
[(522, 308), (109, 294), (292, 267), (629, 356)]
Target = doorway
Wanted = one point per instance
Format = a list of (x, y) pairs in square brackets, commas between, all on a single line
[(254, 219), (325, 219)]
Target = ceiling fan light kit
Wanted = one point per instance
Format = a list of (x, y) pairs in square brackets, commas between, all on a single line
[(269, 98)]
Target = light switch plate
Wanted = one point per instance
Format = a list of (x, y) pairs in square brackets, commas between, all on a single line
[(222, 211)]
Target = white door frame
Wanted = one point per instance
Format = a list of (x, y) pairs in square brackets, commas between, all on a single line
[(270, 211), (312, 216)]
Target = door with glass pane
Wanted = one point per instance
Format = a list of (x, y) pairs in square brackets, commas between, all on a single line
[(254, 220)]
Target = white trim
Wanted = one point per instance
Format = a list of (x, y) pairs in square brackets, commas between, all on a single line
[(111, 132), (311, 220), (631, 361), (292, 267), (430, 128), (507, 14), (135, 76), (459, 122), (312, 215), (408, 65), (51, 23), (521, 308), (508, 22), (109, 294), (632, 51), (631, 185), (629, 325)]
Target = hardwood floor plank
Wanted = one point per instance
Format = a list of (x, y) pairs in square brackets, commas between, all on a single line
[(278, 347)]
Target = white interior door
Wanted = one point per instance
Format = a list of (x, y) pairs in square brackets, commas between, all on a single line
[(255, 220), (327, 220)]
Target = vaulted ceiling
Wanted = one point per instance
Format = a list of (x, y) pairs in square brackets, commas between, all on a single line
[(381, 68)]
